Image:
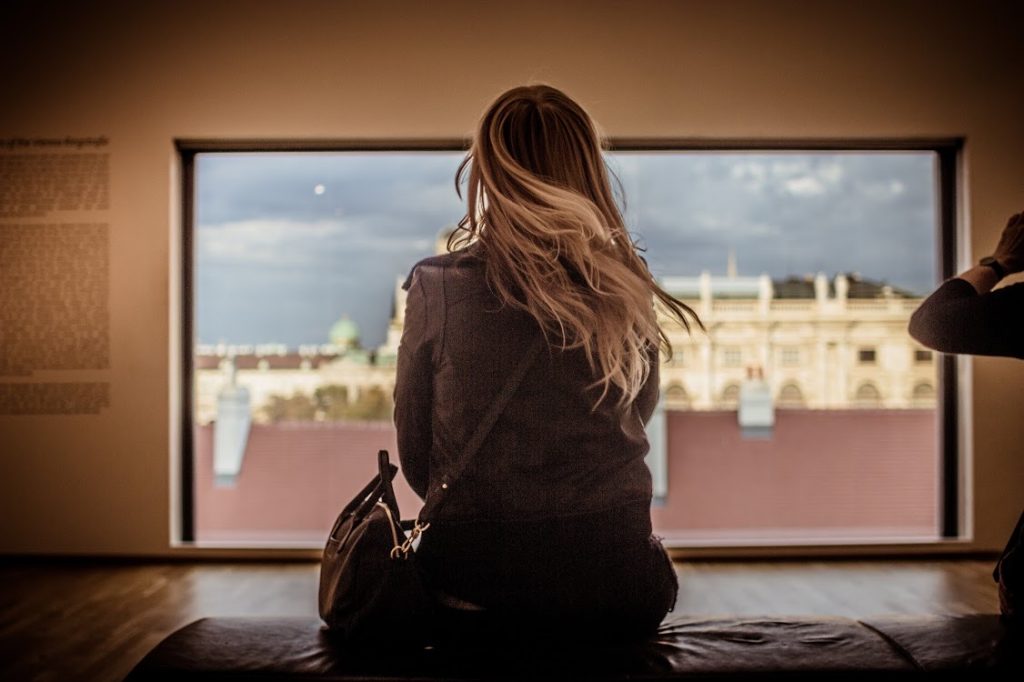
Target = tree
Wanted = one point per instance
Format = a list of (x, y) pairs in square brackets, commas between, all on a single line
[(298, 407), (372, 404), (330, 403)]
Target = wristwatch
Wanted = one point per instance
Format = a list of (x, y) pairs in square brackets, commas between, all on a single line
[(990, 262)]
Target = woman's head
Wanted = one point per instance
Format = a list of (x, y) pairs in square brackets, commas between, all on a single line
[(532, 144), (555, 245), (535, 137)]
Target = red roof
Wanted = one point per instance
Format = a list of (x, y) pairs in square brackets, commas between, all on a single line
[(823, 474)]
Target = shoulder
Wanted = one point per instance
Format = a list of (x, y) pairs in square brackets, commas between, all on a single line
[(433, 267), (1014, 292)]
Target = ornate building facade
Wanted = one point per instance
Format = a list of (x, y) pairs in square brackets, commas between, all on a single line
[(817, 344)]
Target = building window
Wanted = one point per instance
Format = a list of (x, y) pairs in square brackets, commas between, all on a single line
[(922, 357), (868, 395), (296, 257), (791, 396), (730, 396), (676, 395), (924, 393), (790, 357)]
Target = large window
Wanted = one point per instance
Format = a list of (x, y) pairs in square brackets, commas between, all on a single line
[(804, 414)]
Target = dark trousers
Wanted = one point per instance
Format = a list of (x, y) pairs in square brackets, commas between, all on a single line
[(593, 594), (609, 617)]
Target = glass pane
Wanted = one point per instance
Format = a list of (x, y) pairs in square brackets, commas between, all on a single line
[(805, 414)]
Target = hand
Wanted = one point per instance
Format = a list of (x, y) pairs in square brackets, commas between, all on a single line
[(1010, 250)]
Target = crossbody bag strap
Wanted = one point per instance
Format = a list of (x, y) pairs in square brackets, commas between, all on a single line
[(444, 487)]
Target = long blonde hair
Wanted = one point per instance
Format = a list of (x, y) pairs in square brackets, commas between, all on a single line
[(553, 240)]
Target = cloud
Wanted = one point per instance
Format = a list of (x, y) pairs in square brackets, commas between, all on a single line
[(805, 186), (883, 190), (267, 241), (309, 258), (799, 213), (257, 186)]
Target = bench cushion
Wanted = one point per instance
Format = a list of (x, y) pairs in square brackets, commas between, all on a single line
[(976, 642), (685, 648)]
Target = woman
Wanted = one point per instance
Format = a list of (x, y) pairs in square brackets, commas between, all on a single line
[(965, 315), (550, 525)]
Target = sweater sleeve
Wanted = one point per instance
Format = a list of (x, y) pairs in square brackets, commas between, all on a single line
[(957, 319), (414, 387)]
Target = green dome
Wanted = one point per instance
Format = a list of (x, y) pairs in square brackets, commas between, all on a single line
[(345, 332)]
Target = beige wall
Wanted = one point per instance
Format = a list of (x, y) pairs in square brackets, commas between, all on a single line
[(148, 74)]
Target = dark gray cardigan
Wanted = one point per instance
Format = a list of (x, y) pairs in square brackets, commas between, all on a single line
[(548, 453), (956, 319), (555, 483)]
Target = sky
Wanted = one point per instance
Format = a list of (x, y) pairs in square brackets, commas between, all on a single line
[(288, 243)]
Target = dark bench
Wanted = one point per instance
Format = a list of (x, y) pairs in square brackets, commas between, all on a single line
[(977, 646)]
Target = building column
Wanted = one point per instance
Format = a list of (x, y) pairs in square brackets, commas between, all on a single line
[(822, 371), (842, 369), (707, 358)]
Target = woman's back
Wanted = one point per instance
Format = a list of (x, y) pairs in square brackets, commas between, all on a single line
[(551, 517), (553, 514), (549, 452)]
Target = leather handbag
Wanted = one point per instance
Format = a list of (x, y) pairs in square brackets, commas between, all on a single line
[(369, 579)]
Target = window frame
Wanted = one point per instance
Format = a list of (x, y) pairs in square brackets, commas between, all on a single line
[(867, 355), (948, 185), (789, 356), (732, 357)]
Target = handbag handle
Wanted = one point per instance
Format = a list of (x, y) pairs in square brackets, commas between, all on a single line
[(371, 492), (387, 475), (437, 498)]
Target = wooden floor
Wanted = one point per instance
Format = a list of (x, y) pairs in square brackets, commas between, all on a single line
[(94, 622)]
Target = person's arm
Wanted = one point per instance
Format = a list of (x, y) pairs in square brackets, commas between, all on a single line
[(414, 388), (957, 319), (964, 315)]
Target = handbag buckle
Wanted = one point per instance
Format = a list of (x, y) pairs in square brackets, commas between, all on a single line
[(401, 550), (405, 549)]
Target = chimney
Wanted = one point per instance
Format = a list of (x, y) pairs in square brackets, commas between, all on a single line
[(820, 289)]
